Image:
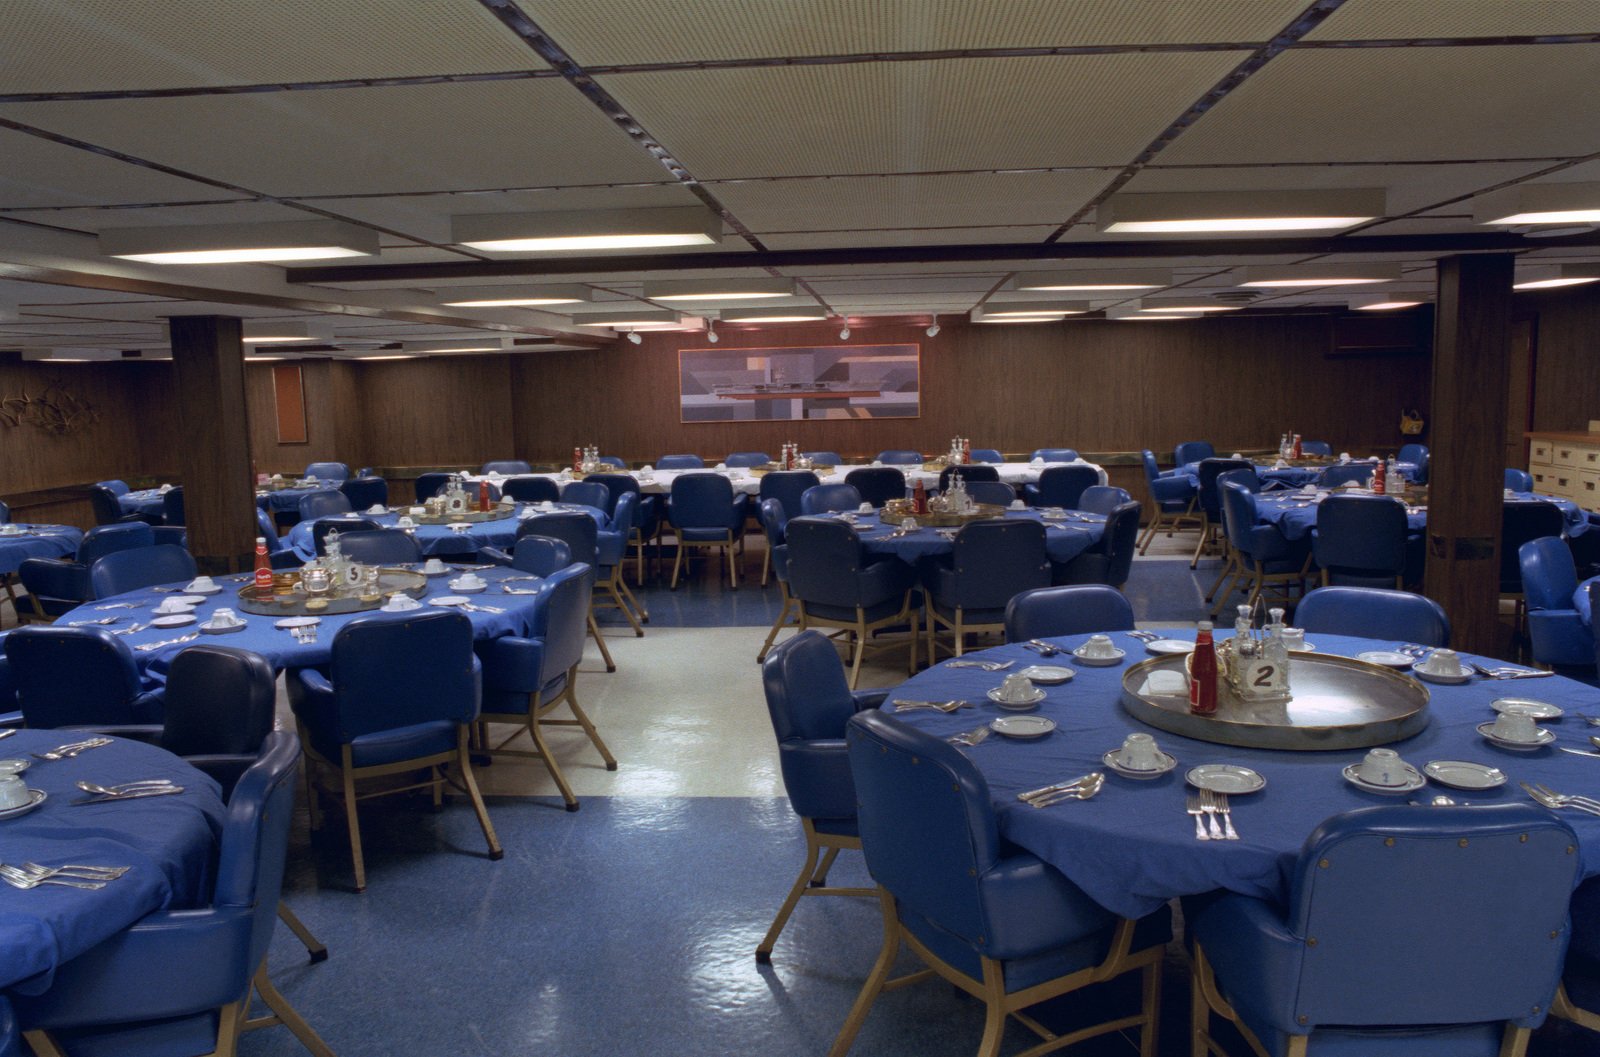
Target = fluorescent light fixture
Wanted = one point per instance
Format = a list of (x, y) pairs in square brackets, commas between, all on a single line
[(1550, 276), (461, 345), (516, 296), (983, 315), (1210, 211), (1109, 279), (1320, 274), (273, 332), (1576, 203), (1129, 313), (395, 356), (596, 230), (1185, 305), (997, 309), (636, 317), (718, 289), (1384, 302), (299, 240), (787, 314)]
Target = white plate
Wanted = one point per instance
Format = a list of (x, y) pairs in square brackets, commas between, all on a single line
[(209, 628), (425, 571), (1111, 760), (298, 622), (457, 585), (1171, 646), (10, 767), (214, 589), (1387, 658), (1447, 680), (189, 600), (1225, 778), (35, 798), (1048, 674), (387, 608), (172, 611), (1304, 647), (1528, 707), (1545, 738), (1099, 662), (1459, 774), (174, 620), (448, 600), (1413, 782), (1022, 726), (1028, 702)]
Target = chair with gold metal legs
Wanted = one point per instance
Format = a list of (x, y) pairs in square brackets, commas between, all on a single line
[(399, 696), (772, 523), (527, 676), (705, 513), (1259, 555), (1172, 499), (837, 587), (993, 562), (996, 922), (1578, 1000), (1209, 502), (810, 703), (1477, 894)]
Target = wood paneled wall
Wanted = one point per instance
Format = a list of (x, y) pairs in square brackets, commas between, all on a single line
[(1566, 393), (440, 411)]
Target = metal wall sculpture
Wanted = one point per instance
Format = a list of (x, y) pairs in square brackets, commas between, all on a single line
[(56, 410)]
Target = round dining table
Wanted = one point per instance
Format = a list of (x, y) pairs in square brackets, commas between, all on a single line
[(442, 539), (148, 501), (1297, 476), (168, 842), (36, 541), (1068, 533), (1133, 846), (287, 500), (1295, 512)]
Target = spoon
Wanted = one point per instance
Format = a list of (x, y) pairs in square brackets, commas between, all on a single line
[(125, 788)]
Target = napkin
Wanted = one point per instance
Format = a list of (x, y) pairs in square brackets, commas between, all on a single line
[(1165, 684)]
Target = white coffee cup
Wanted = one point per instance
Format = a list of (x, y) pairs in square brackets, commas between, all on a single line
[(1443, 662), (201, 583), (1383, 767), (1099, 646), (225, 618), (1515, 725), (400, 603), (433, 565), (1017, 687), (1294, 638), (469, 580), (417, 511), (1139, 753), (877, 462), (1017, 504), (1344, 457), (13, 793), (10, 767), (908, 524), (406, 522), (722, 466), (171, 606), (377, 508), (647, 468), (864, 508)]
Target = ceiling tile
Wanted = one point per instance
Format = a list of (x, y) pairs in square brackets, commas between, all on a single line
[(38, 172), (1432, 19)]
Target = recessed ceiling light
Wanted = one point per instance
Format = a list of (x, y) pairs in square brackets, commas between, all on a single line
[(1384, 302), (397, 356), (300, 240), (718, 289), (1319, 274), (996, 309), (1575, 203), (1185, 305), (1550, 276), (515, 296), (983, 315), (1213, 211), (1106, 279), (461, 345), (597, 230), (788, 314), (635, 317)]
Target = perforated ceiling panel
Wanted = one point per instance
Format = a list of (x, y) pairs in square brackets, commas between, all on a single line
[(1402, 104), (90, 45), (431, 137), (428, 216), (96, 220), (635, 31), (37, 172), (1390, 20), (918, 116)]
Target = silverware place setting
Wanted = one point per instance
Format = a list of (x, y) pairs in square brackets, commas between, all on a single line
[(1508, 672), (98, 620), (8, 732), (147, 647), (18, 878), (986, 666), (129, 630), (1081, 788), (514, 579), (100, 794), (1044, 649), (519, 590), (71, 749), (306, 634), (969, 738), (117, 605), (901, 705), (1215, 805), (87, 873), (1144, 636), (1548, 797), (473, 607)]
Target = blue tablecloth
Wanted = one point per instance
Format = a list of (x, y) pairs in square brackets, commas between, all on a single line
[(1132, 847), (441, 539), (170, 841), (1063, 540), (1296, 514), (144, 501), (1300, 475), (287, 500), (38, 541), (278, 646)]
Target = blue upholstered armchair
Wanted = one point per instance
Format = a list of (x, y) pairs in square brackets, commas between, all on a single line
[(747, 459), (343, 524), (522, 489), (1579, 997), (1374, 613), (107, 511), (537, 555), (1060, 486), (899, 457), (399, 696), (323, 504), (364, 492), (997, 922), (1110, 560), (992, 562), (279, 553), (1316, 447), (1359, 473), (836, 586), (824, 458), (810, 703), (1208, 498), (774, 523), (1103, 498), (130, 570), (1055, 454), (83, 676), (429, 485), (380, 546), (877, 484), (1360, 541), (1192, 451), (1259, 556), (828, 499), (705, 512), (680, 462), (1173, 495), (1056, 612), (1549, 582), (588, 493), (56, 585), (327, 471), (506, 466), (987, 455), (1477, 894), (970, 473), (527, 676)]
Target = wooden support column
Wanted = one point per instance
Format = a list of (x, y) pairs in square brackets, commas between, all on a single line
[(214, 454), (1471, 363)]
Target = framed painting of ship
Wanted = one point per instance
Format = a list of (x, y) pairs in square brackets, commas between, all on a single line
[(800, 383)]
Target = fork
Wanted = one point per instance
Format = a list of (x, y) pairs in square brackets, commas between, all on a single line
[(148, 646), (1582, 803), (969, 737), (107, 873), (1591, 720), (118, 605), (1208, 805), (1144, 636), (22, 879), (71, 749), (1043, 648), (1196, 812), (100, 620), (130, 629), (902, 705), (472, 607), (987, 666), (1220, 800)]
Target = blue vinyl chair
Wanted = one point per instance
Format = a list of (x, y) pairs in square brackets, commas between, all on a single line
[(322, 504), (829, 499), (997, 922), (1192, 451), (1520, 522), (1054, 454), (1417, 453), (1055, 612), (787, 487), (107, 511), (82, 676), (1549, 581), (1110, 560), (824, 458), (747, 459), (1437, 884), (646, 513), (1316, 447), (118, 486), (773, 523), (278, 552), (899, 457), (1208, 500), (877, 484), (1374, 613), (1518, 480), (429, 485), (398, 696), (527, 676), (179, 982), (602, 552), (680, 462), (992, 562), (995, 493), (836, 585), (987, 455), (1360, 541), (1259, 556), (810, 704), (1103, 498), (141, 567), (1061, 486), (1246, 477), (364, 492), (1359, 473), (538, 555), (506, 466), (1172, 495), (615, 485), (524, 489), (172, 512), (57, 585), (705, 513), (322, 527), (380, 546), (588, 493), (327, 471), (1578, 1000), (971, 473)]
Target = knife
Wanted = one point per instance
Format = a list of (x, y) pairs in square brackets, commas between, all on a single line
[(1578, 752), (126, 796)]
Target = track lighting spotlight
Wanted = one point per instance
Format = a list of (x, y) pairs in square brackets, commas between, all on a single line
[(933, 328), (634, 337), (844, 332), (711, 332)]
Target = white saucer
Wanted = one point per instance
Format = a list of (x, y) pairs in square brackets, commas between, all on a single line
[(1545, 738), (1459, 774), (1111, 761), (191, 599), (387, 608), (173, 620), (1528, 707), (208, 628), (214, 589), (1448, 680), (298, 622), (1022, 726), (1048, 674), (1169, 646), (446, 571), (1225, 778), (1387, 658), (11, 767), (35, 798), (448, 600), (1413, 782), (1030, 701), (172, 611), (1099, 662), (456, 585)]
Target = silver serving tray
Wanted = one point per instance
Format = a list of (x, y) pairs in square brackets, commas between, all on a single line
[(1337, 703)]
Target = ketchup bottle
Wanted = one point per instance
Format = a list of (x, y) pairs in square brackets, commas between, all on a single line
[(263, 566), (577, 460), (919, 498), (1380, 475), (1203, 673), (483, 496)]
